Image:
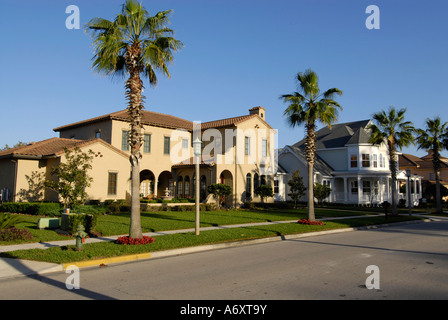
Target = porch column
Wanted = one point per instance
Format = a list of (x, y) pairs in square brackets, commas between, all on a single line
[(408, 192), (420, 188), (359, 189), (387, 190), (380, 191), (156, 182), (332, 194), (415, 196), (345, 189)]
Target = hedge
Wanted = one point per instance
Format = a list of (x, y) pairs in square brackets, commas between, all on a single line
[(50, 209)]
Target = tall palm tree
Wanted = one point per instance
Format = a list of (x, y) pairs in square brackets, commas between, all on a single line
[(309, 106), (432, 138), (132, 45), (391, 129)]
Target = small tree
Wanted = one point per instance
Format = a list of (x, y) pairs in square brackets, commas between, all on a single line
[(264, 191), (220, 191), (71, 177), (296, 187), (321, 191)]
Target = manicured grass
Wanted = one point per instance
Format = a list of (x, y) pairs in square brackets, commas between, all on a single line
[(118, 224), (165, 242)]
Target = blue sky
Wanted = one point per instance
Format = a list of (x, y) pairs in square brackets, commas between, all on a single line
[(237, 55)]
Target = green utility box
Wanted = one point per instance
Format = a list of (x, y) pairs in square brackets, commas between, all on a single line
[(48, 223)]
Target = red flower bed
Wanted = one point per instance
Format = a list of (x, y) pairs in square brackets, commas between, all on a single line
[(129, 240), (307, 221)]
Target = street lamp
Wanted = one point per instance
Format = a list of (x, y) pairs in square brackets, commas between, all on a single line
[(408, 189), (197, 153)]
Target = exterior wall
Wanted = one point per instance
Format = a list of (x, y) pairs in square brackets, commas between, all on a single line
[(336, 158), (155, 161), (25, 168), (89, 131), (109, 161)]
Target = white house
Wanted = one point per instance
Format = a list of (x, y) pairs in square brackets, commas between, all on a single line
[(356, 171)]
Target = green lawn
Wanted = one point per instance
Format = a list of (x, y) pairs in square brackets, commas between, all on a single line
[(118, 224)]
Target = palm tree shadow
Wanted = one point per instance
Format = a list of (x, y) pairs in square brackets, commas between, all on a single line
[(29, 273)]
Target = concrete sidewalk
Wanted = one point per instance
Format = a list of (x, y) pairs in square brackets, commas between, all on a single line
[(10, 268)]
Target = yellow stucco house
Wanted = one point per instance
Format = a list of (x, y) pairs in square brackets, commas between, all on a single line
[(237, 151)]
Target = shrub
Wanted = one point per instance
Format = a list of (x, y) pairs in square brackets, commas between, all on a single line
[(87, 220), (8, 220), (126, 240), (309, 222), (50, 209), (13, 233)]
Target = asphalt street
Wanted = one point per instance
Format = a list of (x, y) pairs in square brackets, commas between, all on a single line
[(409, 262)]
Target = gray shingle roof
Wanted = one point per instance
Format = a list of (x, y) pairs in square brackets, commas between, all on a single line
[(340, 135), (319, 164)]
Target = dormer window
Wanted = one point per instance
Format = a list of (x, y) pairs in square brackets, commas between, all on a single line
[(365, 160), (353, 161)]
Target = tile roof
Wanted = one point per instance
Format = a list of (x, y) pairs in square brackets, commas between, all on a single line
[(406, 160), (148, 118), (226, 122), (162, 120), (52, 147)]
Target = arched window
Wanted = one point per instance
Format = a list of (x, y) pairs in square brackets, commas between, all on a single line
[(187, 186), (248, 186), (179, 187), (202, 187), (256, 181)]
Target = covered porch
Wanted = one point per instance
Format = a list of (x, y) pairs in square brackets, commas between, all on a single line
[(374, 189)]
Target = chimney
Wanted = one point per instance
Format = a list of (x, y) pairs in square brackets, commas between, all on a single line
[(260, 111)]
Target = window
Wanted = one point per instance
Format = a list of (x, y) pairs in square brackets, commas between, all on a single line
[(112, 184), (354, 186), (166, 145), (98, 134), (248, 186), (256, 181), (147, 143), (382, 161), (125, 140), (187, 186), (431, 176), (218, 145), (375, 161), (179, 187), (366, 187), (276, 189), (264, 148), (185, 143), (365, 160), (353, 161), (247, 146)]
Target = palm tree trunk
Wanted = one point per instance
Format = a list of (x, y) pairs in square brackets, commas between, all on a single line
[(311, 215), (393, 172), (134, 86), (436, 165), (310, 150)]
